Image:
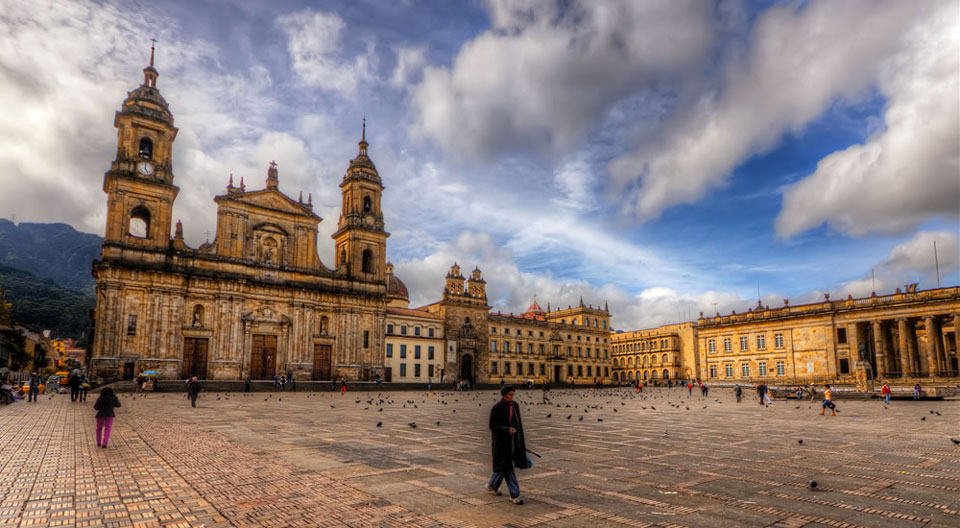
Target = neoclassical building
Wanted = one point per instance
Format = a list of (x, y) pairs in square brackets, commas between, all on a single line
[(254, 302), (907, 336), (667, 352)]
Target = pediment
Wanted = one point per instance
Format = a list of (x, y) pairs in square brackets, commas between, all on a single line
[(275, 201)]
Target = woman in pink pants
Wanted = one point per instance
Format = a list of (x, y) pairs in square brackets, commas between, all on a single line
[(105, 405)]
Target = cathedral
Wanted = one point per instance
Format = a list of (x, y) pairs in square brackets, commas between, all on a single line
[(256, 301)]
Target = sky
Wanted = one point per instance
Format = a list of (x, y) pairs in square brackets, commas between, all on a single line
[(666, 157)]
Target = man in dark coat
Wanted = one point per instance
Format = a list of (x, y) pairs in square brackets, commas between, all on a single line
[(509, 449), (193, 390)]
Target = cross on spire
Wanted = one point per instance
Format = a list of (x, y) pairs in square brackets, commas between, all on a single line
[(153, 43)]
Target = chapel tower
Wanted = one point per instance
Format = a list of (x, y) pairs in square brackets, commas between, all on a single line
[(360, 239), (139, 184)]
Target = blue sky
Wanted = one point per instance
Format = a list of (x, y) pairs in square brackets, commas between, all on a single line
[(666, 157)]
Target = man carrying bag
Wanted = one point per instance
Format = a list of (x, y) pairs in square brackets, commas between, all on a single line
[(509, 449)]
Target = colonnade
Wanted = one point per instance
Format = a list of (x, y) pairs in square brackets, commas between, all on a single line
[(898, 350)]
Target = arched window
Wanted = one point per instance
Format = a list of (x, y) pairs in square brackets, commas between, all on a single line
[(466, 320), (586, 321), (198, 315), (146, 148), (367, 204), (631, 376), (666, 374), (139, 222), (653, 374), (594, 323), (367, 263), (343, 257), (664, 359), (604, 325), (644, 361), (644, 375)]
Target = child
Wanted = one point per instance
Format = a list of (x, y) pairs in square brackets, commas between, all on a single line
[(827, 397), (105, 405), (886, 393)]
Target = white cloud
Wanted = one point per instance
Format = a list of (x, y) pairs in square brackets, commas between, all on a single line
[(800, 59), (511, 290), (314, 41), (907, 172), (909, 262), (547, 71), (410, 63)]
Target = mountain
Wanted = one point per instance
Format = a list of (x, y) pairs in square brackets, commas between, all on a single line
[(52, 251), (41, 303)]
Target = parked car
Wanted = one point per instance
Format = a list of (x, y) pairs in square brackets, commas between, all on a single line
[(25, 387)]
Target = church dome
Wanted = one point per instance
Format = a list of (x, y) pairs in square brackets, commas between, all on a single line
[(147, 101), (396, 289)]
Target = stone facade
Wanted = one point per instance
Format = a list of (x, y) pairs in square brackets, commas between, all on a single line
[(415, 346), (560, 346), (256, 301), (668, 352)]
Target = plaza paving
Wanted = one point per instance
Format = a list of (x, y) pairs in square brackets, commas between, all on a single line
[(662, 458)]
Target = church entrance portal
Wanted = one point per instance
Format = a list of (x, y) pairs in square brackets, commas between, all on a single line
[(556, 373), (321, 362), (194, 358), (263, 357), (466, 367)]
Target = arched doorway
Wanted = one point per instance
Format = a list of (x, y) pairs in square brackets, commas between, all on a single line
[(466, 367)]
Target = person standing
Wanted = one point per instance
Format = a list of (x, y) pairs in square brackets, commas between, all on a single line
[(246, 384), (104, 406), (690, 388), (193, 390), (704, 390), (546, 391), (34, 391), (916, 391), (760, 392), (828, 401), (885, 391), (738, 392), (343, 385), (509, 448)]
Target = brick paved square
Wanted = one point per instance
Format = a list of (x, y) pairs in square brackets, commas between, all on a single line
[(661, 458)]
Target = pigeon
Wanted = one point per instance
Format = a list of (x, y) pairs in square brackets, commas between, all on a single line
[(549, 415), (956, 442), (931, 412), (438, 424), (413, 424), (581, 418), (379, 424), (937, 413), (569, 416), (800, 441), (923, 418), (599, 419), (813, 484)]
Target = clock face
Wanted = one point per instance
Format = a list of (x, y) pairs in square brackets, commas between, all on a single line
[(145, 168)]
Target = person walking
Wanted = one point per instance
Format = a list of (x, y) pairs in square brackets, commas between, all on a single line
[(828, 401), (704, 390), (104, 406), (84, 387), (546, 391), (246, 384), (761, 390), (813, 391), (885, 391), (690, 388), (34, 391), (74, 382), (767, 399), (738, 392), (343, 385), (193, 390), (916, 391), (293, 383), (509, 448)]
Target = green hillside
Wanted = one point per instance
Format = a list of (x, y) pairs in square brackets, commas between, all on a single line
[(43, 304)]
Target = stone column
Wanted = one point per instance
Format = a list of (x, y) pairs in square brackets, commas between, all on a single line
[(919, 351), (933, 363), (904, 348), (880, 346), (912, 348)]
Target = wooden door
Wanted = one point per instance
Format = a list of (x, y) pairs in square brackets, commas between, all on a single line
[(263, 357), (194, 357), (321, 361), (128, 371)]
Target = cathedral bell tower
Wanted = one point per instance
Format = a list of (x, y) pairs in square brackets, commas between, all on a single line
[(360, 239), (139, 184)]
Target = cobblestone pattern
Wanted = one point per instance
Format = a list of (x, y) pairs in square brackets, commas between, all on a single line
[(659, 459)]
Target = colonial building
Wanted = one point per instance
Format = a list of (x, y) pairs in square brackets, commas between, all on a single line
[(254, 302), (414, 338), (566, 346), (668, 352), (901, 337)]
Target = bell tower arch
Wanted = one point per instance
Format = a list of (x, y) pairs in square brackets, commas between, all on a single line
[(139, 184)]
